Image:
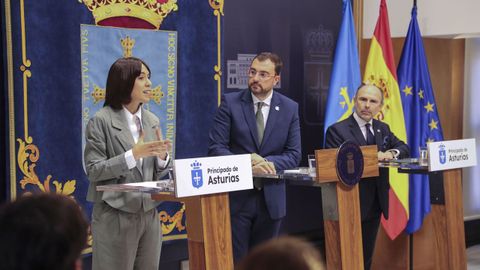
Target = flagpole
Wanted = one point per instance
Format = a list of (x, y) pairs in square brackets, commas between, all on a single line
[(411, 244), (357, 7), (411, 234)]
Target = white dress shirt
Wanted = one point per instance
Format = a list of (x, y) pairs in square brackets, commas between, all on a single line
[(130, 159), (265, 107), (362, 124)]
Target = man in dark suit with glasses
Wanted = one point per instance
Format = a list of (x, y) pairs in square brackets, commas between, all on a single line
[(264, 123)]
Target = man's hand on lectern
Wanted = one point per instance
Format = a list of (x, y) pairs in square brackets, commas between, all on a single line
[(385, 156), (265, 167), (262, 166), (256, 159)]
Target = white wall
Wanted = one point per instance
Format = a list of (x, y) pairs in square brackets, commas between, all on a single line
[(450, 18), (471, 126)]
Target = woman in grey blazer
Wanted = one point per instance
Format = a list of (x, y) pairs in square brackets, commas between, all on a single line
[(124, 145)]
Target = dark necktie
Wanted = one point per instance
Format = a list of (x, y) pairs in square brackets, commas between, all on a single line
[(370, 136), (260, 123)]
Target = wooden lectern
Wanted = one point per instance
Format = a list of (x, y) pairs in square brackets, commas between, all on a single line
[(341, 209), (439, 244), (208, 229), (207, 205)]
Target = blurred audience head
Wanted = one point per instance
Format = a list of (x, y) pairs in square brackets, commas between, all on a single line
[(43, 232), (283, 253)]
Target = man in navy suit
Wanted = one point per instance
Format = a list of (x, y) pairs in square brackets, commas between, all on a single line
[(362, 129), (264, 123)]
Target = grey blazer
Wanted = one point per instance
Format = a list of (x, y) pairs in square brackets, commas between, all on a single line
[(108, 137)]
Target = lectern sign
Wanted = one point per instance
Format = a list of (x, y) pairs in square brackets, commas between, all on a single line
[(454, 154), (200, 176)]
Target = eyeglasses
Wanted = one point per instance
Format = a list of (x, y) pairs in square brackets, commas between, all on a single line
[(262, 75)]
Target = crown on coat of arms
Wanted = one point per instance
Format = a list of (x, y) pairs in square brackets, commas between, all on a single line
[(196, 165), (319, 41), (152, 11)]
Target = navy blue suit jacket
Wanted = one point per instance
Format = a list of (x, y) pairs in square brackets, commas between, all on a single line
[(348, 129), (235, 132)]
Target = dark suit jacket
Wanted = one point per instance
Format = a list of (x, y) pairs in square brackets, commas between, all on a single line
[(235, 132), (348, 129)]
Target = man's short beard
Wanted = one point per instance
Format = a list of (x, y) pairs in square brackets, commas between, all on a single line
[(250, 86)]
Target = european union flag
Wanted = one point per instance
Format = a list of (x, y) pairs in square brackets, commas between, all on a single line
[(346, 72), (421, 117)]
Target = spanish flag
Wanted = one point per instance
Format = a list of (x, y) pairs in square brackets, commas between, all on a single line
[(381, 70)]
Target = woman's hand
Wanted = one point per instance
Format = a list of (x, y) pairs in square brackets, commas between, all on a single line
[(159, 148)]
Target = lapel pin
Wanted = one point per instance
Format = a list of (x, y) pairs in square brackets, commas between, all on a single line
[(277, 108), (378, 130)]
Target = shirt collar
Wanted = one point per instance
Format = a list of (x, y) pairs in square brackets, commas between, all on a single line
[(130, 115), (266, 101), (360, 121)]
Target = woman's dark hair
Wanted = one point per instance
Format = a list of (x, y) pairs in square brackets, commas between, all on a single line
[(120, 81)]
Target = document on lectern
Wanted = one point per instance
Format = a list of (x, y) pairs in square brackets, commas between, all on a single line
[(208, 175), (163, 186)]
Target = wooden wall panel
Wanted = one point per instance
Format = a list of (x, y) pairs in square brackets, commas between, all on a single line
[(446, 64)]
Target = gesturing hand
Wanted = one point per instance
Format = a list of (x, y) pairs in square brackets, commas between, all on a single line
[(167, 143), (158, 148)]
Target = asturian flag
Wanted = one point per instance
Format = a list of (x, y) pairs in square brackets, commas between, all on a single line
[(380, 70), (346, 72), (421, 117)]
